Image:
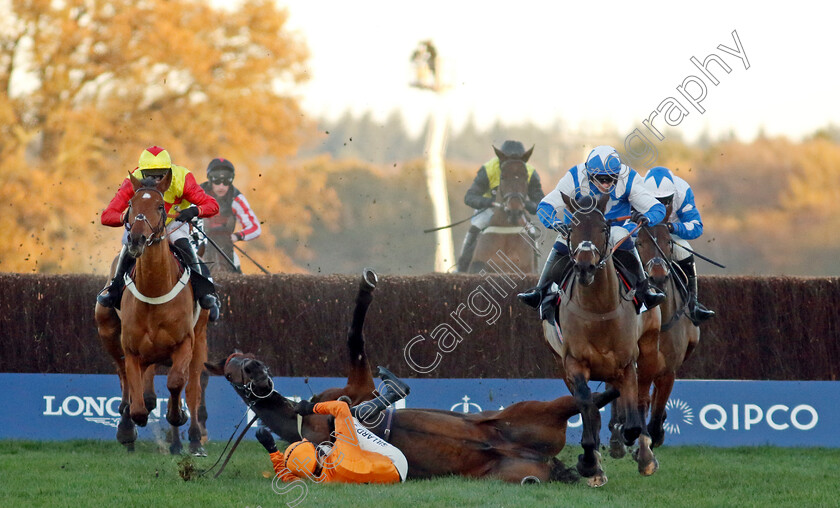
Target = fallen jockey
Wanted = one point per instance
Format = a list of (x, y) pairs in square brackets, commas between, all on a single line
[(354, 454)]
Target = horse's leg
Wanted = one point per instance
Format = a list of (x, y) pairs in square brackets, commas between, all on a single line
[(644, 455), (195, 392), (134, 375), (617, 447), (176, 380), (149, 397), (360, 385), (108, 327), (589, 462), (662, 390), (202, 407), (629, 404)]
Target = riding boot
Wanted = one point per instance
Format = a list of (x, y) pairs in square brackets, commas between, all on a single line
[(114, 289), (392, 389), (553, 269), (650, 295), (697, 312), (467, 250), (202, 284)]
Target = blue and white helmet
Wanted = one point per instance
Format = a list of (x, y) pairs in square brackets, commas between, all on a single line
[(603, 160), (660, 182)]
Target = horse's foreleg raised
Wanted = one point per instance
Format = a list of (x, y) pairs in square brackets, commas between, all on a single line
[(134, 376), (628, 404), (176, 380), (661, 391)]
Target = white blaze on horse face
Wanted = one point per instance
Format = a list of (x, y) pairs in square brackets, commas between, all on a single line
[(146, 195)]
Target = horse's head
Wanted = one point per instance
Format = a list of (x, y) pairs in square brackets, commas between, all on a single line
[(590, 236), (248, 375), (146, 215), (513, 181), (513, 186), (653, 242)]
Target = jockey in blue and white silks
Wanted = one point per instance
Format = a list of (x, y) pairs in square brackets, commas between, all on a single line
[(684, 223), (602, 173)]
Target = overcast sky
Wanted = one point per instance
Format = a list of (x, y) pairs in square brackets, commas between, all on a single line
[(585, 64)]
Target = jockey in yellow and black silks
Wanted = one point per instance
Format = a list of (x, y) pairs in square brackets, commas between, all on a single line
[(482, 194)]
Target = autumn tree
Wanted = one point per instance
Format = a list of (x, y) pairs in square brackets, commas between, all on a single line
[(87, 84)]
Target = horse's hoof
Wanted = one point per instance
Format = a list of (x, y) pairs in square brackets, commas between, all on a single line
[(129, 447), (181, 420), (198, 451), (599, 480), (140, 419), (649, 468), (150, 401), (175, 449)]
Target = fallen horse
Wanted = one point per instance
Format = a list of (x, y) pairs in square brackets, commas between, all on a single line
[(517, 444)]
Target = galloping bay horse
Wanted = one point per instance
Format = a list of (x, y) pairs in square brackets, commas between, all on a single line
[(158, 322), (506, 231), (596, 334), (678, 336), (516, 444)]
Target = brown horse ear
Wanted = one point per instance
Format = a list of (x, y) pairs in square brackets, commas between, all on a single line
[(134, 182), (570, 204), (527, 155), (499, 154), (165, 182), (217, 368)]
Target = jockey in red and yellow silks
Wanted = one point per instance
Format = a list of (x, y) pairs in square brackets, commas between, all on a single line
[(350, 459), (183, 191)]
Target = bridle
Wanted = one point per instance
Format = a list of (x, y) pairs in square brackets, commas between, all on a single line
[(247, 388), (159, 231), (508, 196), (589, 246)]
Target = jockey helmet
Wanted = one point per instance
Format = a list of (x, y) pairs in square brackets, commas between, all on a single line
[(154, 161), (603, 160), (660, 182), (511, 149), (220, 164), (301, 458)]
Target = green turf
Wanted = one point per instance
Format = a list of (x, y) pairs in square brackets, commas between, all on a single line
[(94, 473)]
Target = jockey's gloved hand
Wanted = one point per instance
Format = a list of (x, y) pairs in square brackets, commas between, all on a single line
[(304, 408), (266, 439), (671, 227), (563, 229), (639, 218), (187, 214)]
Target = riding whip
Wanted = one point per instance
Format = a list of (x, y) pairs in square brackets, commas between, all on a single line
[(214, 244), (704, 258), (252, 259), (451, 225)]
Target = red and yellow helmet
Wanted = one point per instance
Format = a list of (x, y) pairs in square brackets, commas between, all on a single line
[(154, 157)]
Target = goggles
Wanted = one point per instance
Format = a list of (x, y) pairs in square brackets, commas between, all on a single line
[(604, 179), (221, 180)]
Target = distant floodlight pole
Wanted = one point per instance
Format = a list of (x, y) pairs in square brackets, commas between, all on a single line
[(428, 77)]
